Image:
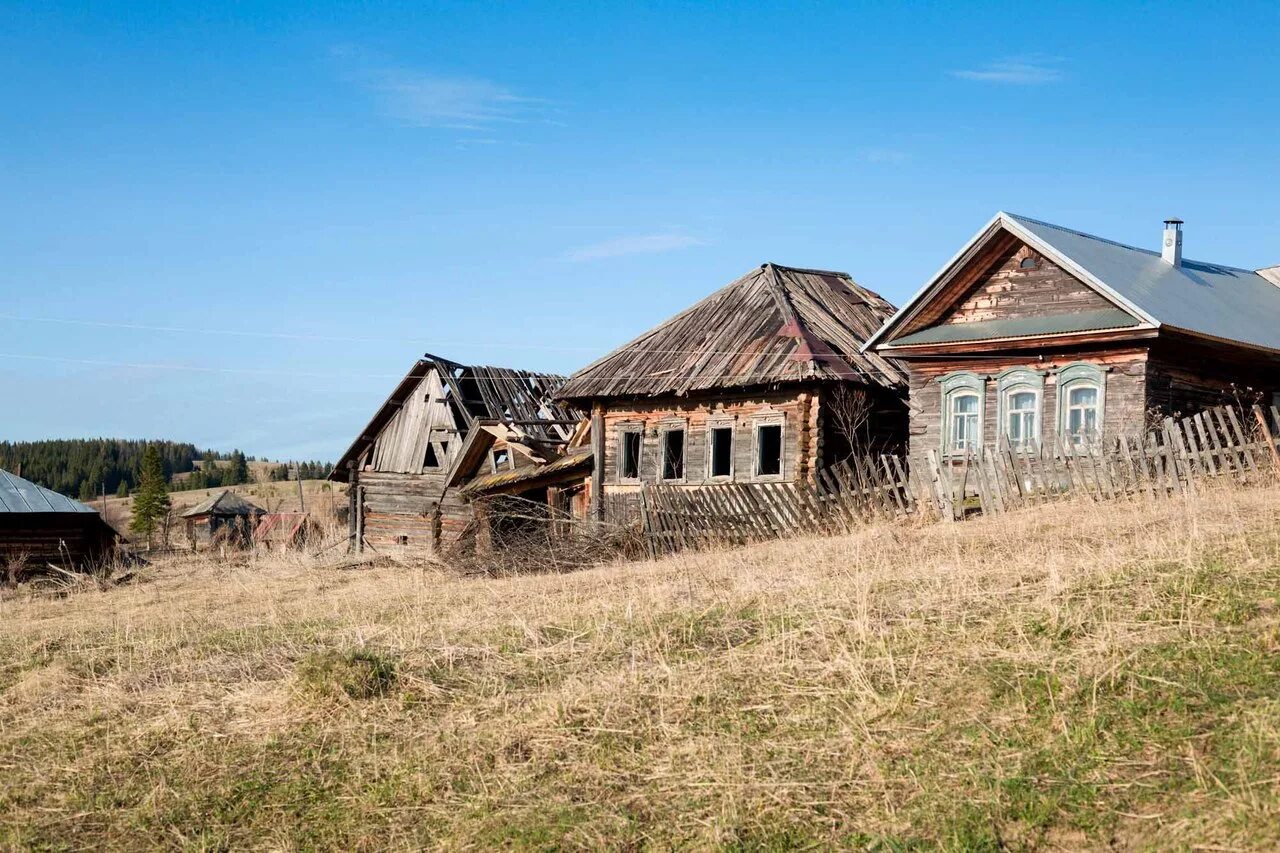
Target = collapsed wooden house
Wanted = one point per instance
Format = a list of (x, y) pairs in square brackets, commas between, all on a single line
[(763, 381), (444, 425), (39, 527), (284, 531), (1035, 334), (225, 518)]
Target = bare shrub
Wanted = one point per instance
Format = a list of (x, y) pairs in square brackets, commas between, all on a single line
[(516, 536)]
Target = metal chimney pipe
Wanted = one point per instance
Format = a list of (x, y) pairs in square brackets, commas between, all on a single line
[(1171, 246)]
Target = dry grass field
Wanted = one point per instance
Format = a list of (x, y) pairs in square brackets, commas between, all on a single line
[(1083, 676)]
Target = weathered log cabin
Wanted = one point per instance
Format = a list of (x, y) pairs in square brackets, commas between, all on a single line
[(39, 527), (763, 381), (1035, 333), (403, 487), (225, 518)]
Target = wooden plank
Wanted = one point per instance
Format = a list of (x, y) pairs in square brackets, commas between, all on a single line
[(1246, 447), (1272, 452)]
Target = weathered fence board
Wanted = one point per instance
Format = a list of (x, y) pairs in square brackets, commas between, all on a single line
[(1167, 460)]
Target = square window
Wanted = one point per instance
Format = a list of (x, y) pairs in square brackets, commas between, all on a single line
[(501, 459)]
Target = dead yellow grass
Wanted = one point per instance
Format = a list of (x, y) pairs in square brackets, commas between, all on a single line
[(1082, 675)]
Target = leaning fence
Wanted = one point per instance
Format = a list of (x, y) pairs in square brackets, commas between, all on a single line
[(1222, 442)]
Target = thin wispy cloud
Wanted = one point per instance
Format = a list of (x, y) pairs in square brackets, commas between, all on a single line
[(643, 244), (1023, 71), (425, 99)]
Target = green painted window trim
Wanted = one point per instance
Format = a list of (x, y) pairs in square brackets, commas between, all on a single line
[(1012, 381), (1074, 375), (953, 384)]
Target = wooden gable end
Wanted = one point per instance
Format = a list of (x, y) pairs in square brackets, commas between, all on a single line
[(1004, 280), (1023, 283), (421, 433)]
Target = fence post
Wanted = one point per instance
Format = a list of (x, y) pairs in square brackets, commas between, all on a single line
[(1266, 434)]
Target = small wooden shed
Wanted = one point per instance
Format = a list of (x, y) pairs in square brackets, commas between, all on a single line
[(225, 517), (40, 527)]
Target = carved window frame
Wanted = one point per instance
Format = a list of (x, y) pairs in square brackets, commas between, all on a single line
[(665, 426), (962, 383), (1017, 380), (624, 429), (1081, 374), (714, 423), (778, 419)]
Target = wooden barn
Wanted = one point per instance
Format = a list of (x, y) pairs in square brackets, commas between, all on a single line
[(443, 425), (1033, 330), (39, 527), (763, 381), (225, 517)]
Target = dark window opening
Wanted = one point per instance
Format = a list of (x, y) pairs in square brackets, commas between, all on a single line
[(768, 450), (721, 451), (629, 462), (673, 454), (402, 540), (431, 461), (501, 459), (1027, 263)]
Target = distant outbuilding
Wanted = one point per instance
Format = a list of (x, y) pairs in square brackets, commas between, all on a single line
[(225, 517), (282, 531), (39, 527)]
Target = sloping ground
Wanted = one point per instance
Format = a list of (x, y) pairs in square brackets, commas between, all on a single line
[(1087, 676)]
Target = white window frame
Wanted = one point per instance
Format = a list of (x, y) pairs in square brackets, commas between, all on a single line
[(778, 420), (664, 427), (715, 424), (1081, 374), (954, 386), (1018, 380), (623, 430)]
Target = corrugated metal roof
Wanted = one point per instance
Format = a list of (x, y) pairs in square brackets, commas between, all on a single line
[(775, 324), (19, 495), (1211, 299), (225, 503), (1014, 327)]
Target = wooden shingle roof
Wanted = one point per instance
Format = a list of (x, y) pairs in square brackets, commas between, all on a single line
[(774, 325)]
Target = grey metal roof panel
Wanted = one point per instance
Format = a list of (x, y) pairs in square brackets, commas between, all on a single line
[(1015, 327), (1211, 299), (19, 495)]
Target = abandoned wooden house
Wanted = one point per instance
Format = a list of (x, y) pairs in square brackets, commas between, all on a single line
[(39, 527), (1034, 332), (444, 425), (763, 381), (225, 518)]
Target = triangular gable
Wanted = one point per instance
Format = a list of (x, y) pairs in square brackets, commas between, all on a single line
[(956, 277)]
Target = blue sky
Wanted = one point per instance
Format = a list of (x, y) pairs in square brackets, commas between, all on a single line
[(238, 225)]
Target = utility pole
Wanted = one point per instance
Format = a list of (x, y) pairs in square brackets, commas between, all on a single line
[(296, 473)]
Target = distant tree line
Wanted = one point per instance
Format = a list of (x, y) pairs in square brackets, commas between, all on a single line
[(314, 470), (84, 468)]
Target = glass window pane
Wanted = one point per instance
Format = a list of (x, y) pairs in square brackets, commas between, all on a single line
[(1022, 400), (966, 403), (1086, 396)]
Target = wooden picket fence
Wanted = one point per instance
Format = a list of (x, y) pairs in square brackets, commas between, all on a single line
[(1217, 443)]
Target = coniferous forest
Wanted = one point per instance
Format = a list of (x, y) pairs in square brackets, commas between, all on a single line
[(84, 468)]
